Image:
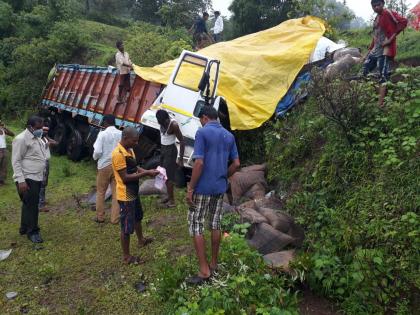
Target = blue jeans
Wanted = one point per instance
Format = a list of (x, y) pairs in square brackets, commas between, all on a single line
[(383, 65)]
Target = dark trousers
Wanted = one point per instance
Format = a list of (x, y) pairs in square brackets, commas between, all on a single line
[(30, 210), (383, 64)]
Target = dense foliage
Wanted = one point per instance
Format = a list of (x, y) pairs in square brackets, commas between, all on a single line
[(243, 284), (357, 199), (35, 35)]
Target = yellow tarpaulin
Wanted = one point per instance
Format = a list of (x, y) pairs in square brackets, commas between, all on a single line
[(256, 70)]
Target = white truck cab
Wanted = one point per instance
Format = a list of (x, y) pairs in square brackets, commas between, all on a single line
[(192, 85)]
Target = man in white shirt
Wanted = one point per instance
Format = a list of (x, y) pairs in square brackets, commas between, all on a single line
[(124, 65), (218, 27), (105, 143), (28, 162), (3, 153)]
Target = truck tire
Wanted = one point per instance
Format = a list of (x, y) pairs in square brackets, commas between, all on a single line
[(75, 145), (60, 136), (152, 163)]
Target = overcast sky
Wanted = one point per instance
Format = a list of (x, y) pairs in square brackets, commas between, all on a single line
[(362, 8)]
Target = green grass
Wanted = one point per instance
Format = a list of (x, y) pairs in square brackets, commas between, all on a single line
[(79, 270), (102, 45)]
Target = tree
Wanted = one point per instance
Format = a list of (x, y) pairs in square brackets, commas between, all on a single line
[(251, 16), (7, 19), (398, 5)]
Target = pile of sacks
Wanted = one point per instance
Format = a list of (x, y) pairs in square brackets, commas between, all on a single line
[(344, 59), (273, 233), (248, 183)]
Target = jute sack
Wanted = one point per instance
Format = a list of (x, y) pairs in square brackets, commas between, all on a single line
[(267, 239), (257, 191), (241, 182), (251, 216), (278, 220)]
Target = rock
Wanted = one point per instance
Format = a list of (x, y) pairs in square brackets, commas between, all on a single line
[(11, 295), (280, 260), (267, 239), (278, 220), (251, 216)]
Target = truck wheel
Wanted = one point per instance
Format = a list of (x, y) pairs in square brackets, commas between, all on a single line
[(60, 136), (75, 145), (152, 163)]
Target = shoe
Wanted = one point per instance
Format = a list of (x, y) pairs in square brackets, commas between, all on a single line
[(44, 209), (34, 238), (40, 240)]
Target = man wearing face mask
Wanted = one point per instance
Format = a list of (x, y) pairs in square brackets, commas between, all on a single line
[(28, 161)]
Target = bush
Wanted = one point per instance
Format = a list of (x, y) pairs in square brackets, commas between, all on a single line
[(358, 200), (243, 285)]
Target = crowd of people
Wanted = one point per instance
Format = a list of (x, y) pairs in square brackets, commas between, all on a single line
[(215, 156), (215, 159)]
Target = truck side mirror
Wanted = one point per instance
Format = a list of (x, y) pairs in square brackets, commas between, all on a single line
[(204, 82)]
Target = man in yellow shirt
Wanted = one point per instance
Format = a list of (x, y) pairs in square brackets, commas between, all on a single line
[(127, 175)]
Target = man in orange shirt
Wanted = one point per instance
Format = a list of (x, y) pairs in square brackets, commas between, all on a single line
[(127, 175)]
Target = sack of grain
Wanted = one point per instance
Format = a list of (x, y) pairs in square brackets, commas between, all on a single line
[(257, 191), (353, 52), (267, 239), (251, 216), (278, 220)]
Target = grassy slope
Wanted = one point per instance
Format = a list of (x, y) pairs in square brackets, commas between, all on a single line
[(79, 269), (102, 46)]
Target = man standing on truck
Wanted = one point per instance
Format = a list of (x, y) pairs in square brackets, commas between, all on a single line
[(218, 27), (127, 175), (169, 132), (214, 147), (105, 143), (28, 161), (124, 65), (3, 152), (383, 49)]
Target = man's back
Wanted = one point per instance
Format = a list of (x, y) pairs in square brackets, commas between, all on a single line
[(216, 146), (106, 142)]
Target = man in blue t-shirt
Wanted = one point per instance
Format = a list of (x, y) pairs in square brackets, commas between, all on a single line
[(201, 36), (214, 147)]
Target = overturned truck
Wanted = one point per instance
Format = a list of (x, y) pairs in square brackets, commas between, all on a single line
[(247, 79)]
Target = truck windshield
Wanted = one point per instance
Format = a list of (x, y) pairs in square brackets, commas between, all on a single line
[(190, 72)]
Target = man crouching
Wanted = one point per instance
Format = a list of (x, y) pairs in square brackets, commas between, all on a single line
[(127, 176)]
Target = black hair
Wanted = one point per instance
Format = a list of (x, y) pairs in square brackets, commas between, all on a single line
[(130, 132), (118, 43), (376, 1), (109, 119), (34, 120), (205, 14), (208, 111), (162, 116), (216, 12)]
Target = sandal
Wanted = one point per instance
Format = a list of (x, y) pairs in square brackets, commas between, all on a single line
[(98, 221), (146, 241), (134, 260)]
